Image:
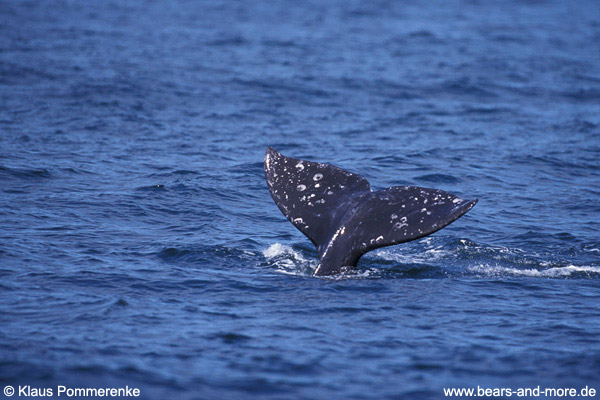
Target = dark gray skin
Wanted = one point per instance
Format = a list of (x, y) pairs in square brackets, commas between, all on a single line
[(344, 218)]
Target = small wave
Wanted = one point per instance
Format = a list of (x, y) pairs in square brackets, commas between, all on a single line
[(231, 337), (279, 43), (25, 173), (438, 178), (280, 87), (234, 40), (555, 272), (152, 187), (185, 172), (421, 33), (173, 254), (465, 86), (583, 94)]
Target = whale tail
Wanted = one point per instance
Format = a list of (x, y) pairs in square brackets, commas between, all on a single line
[(344, 218)]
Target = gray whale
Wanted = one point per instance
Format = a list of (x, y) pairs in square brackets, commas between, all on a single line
[(344, 218)]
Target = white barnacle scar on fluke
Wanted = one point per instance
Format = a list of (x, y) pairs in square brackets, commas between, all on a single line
[(344, 218)]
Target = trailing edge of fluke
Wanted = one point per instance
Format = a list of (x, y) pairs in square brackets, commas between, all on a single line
[(344, 218)]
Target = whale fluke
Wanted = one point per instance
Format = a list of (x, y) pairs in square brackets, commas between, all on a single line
[(344, 218)]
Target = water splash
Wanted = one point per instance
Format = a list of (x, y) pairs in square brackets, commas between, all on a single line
[(289, 261), (438, 258)]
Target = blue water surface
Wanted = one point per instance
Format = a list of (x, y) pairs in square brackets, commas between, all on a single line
[(139, 245)]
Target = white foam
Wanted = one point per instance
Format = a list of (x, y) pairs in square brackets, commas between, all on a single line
[(289, 261), (277, 249), (555, 272), (352, 274), (427, 256)]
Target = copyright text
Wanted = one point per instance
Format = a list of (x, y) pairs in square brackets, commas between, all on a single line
[(66, 391)]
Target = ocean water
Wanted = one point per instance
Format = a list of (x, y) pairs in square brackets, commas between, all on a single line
[(139, 245)]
